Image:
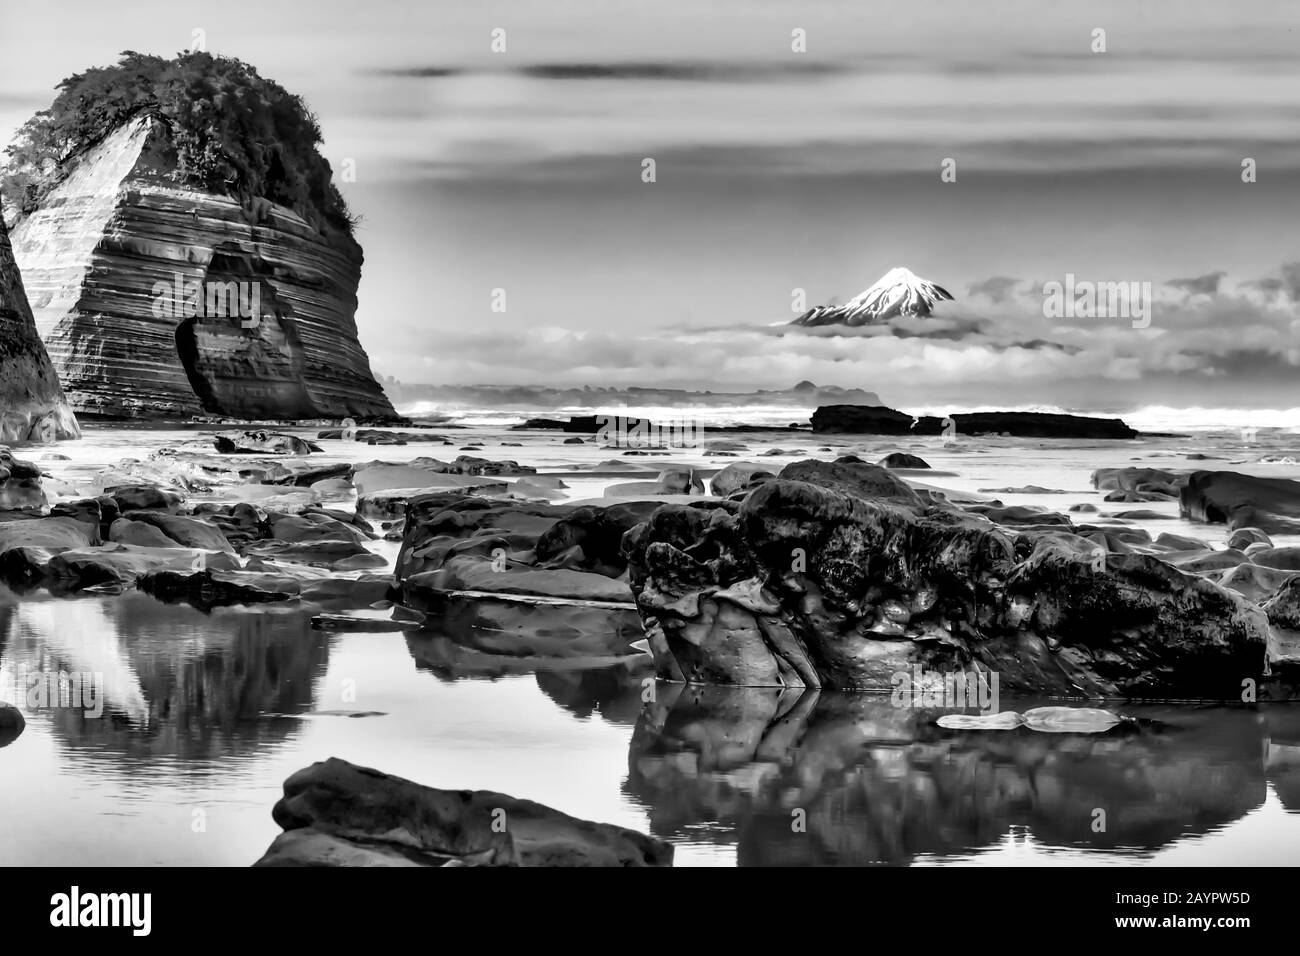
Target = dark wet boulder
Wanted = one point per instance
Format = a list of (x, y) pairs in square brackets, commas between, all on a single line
[(739, 476), (879, 420), (145, 498), (1285, 558), (207, 588), (1158, 480), (1254, 582), (1178, 542), (591, 538), (20, 483), (858, 478), (126, 531), (1018, 514), (261, 443), (526, 612), (1242, 538), (900, 459), (810, 586), (435, 521), (326, 553), (389, 819), (1283, 610), (1271, 505), (122, 565), (60, 533)]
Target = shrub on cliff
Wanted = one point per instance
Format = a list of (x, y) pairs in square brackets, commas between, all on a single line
[(232, 130)]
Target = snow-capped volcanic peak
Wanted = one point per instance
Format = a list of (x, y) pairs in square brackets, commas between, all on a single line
[(898, 292)]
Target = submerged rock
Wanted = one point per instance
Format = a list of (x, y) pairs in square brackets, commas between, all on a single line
[(389, 821), (901, 459)]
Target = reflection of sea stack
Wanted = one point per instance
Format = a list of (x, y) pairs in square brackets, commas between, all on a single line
[(161, 190), (898, 292), (32, 406)]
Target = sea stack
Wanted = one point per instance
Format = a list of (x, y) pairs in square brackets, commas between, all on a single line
[(32, 405), (189, 257)]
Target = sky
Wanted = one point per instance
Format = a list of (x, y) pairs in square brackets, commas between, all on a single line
[(778, 170)]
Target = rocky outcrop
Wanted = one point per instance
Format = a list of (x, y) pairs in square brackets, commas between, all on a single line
[(32, 406), (337, 814), (521, 579), (838, 575), (159, 300), (1270, 505), (879, 420)]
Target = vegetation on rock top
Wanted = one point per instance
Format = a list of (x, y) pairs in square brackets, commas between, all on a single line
[(233, 132)]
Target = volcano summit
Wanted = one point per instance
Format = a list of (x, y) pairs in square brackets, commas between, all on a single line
[(898, 292)]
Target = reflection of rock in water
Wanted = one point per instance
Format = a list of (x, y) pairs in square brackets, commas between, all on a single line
[(612, 692), (1282, 725), (880, 784), (582, 686), (178, 682)]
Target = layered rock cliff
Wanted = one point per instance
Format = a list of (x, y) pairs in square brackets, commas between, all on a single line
[(32, 405), (158, 299)]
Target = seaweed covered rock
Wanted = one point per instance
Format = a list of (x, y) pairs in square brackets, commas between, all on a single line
[(845, 586)]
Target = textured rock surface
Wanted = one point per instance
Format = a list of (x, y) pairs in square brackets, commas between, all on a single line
[(838, 580), (109, 248), (32, 406), (1270, 505)]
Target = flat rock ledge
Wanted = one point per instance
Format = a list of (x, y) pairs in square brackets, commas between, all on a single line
[(335, 813)]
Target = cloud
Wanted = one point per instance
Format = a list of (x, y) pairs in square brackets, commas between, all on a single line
[(996, 288), (1007, 354), (1201, 285)]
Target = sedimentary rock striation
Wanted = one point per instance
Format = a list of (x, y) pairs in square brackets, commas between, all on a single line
[(32, 405), (157, 299)]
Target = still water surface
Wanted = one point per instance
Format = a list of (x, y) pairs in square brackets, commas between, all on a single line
[(207, 714)]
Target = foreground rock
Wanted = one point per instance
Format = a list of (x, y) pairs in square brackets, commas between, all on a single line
[(337, 814), (261, 443), (32, 406), (20, 484), (879, 420), (522, 579), (840, 580)]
